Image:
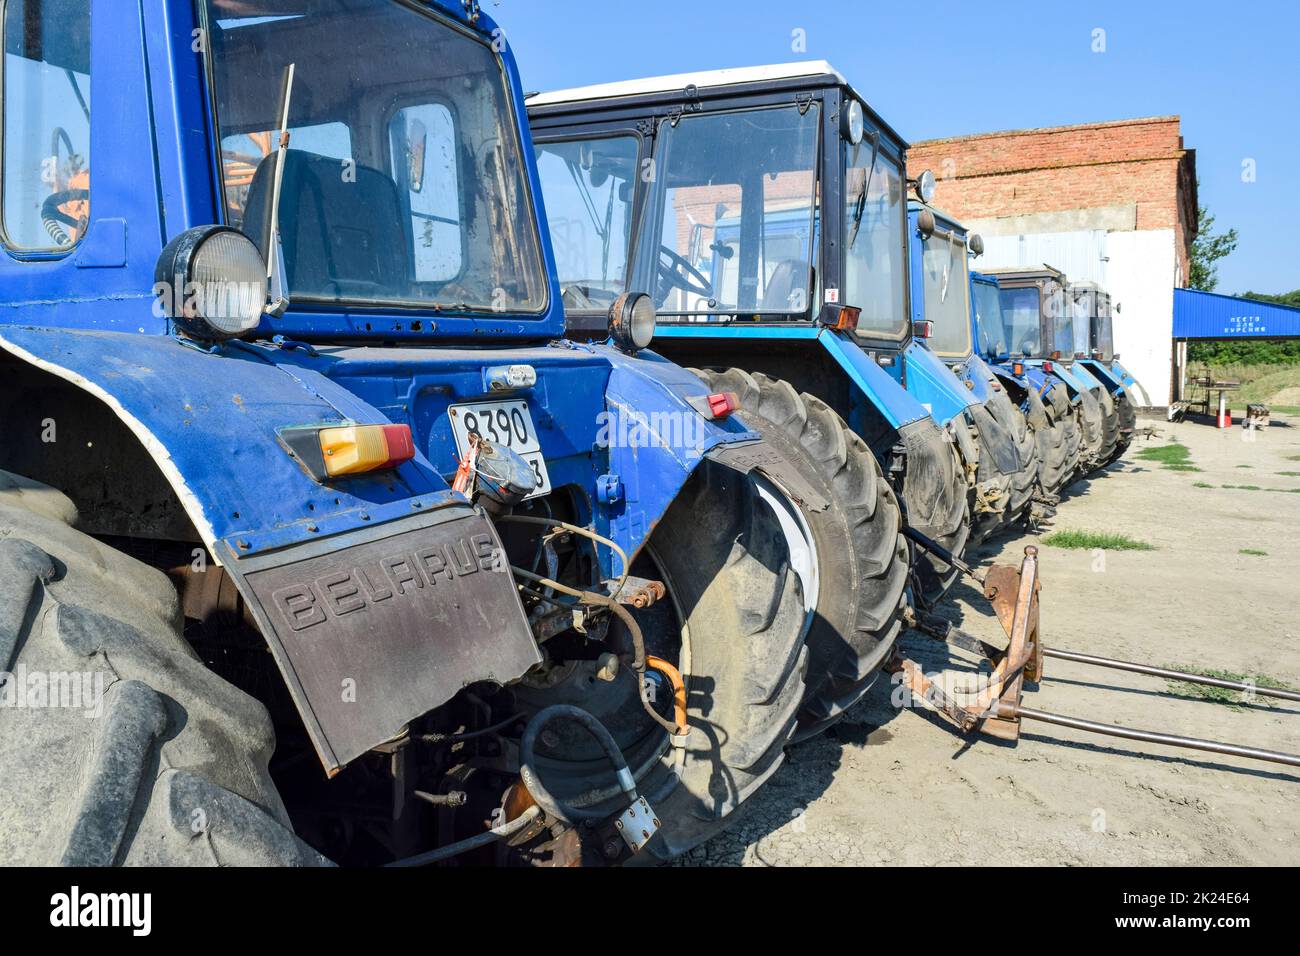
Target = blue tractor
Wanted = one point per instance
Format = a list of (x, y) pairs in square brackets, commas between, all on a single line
[(1040, 398), (1039, 319), (284, 370), (942, 309), (1095, 352), (764, 211)]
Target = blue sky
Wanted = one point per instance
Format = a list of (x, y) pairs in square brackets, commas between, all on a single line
[(1231, 70)]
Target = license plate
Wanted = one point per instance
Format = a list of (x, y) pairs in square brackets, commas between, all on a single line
[(502, 423)]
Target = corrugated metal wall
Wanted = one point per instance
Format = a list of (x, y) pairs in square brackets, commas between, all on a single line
[(1080, 255), (1206, 315)]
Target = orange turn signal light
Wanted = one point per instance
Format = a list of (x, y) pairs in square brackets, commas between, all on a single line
[(1018, 368), (354, 449), (842, 318), (334, 451)]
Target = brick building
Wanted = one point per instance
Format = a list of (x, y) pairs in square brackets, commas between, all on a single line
[(1113, 203)]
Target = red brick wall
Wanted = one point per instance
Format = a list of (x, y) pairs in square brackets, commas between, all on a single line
[(1062, 168)]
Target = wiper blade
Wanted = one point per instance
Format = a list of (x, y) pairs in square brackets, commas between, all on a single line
[(861, 206)]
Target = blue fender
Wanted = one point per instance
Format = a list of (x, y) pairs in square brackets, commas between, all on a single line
[(1085, 375), (1103, 375), (1074, 385), (873, 386), (974, 374), (934, 385)]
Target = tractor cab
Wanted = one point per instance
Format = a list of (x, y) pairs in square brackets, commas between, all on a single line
[(764, 210), (1095, 352)]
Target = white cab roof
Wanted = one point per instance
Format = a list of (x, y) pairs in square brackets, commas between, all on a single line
[(679, 81)]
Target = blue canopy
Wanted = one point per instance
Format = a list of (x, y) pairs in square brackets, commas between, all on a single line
[(1206, 315)]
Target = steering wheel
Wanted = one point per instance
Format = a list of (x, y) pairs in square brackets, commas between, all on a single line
[(54, 218), (678, 273)]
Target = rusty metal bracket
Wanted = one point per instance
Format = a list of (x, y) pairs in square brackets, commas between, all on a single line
[(993, 707)]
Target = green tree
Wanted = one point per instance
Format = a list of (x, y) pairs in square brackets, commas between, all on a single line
[(1291, 298), (1207, 249)]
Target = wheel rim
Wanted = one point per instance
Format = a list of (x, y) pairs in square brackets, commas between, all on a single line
[(799, 541)]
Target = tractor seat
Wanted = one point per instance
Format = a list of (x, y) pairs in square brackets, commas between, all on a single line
[(341, 237), (788, 276)]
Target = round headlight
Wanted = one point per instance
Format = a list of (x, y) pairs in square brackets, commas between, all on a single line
[(925, 223), (632, 320), (211, 281), (854, 122), (925, 186)]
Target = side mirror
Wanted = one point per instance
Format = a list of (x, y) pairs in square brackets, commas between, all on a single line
[(976, 243)]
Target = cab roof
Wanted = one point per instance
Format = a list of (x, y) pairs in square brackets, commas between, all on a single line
[(676, 82), (1040, 271), (705, 84)]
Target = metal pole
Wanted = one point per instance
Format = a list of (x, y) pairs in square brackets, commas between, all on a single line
[(1192, 743), (1168, 674)]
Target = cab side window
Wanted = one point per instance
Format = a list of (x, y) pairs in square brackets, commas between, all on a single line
[(45, 163)]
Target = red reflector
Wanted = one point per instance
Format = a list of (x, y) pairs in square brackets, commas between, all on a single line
[(401, 446), (722, 404), (1048, 366), (923, 330)]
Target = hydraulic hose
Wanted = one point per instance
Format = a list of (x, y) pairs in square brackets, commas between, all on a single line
[(464, 846), (533, 781), (638, 662)]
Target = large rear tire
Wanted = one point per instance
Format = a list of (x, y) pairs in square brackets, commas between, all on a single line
[(146, 757), (861, 555)]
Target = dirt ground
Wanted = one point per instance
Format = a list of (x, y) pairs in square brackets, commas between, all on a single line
[(897, 787)]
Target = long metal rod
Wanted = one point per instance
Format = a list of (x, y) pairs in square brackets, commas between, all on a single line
[(1168, 674), (1192, 743)]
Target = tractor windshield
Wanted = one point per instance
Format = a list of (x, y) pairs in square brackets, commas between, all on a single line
[(1060, 321), (404, 182), (875, 223), (945, 278), (1104, 331), (588, 186), (1022, 315), (1081, 315), (729, 224), (988, 319)]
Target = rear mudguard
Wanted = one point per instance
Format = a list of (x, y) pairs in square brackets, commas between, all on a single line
[(1112, 381), (382, 595), (1131, 385), (997, 443), (934, 385)]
